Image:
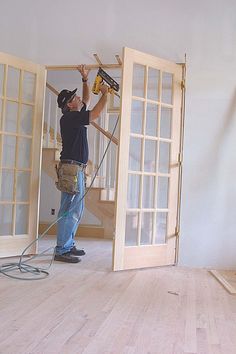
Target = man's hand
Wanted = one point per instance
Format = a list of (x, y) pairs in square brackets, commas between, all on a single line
[(104, 89), (84, 73)]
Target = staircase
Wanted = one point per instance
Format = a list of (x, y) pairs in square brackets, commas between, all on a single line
[(100, 200)]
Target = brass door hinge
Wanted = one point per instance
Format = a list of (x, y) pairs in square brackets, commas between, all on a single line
[(177, 231), (180, 160), (182, 84)]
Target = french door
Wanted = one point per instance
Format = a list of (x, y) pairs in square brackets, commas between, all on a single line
[(22, 86), (148, 162)]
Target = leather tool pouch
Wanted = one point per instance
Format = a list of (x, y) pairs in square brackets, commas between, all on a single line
[(67, 178)]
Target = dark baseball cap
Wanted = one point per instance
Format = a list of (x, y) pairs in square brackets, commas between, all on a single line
[(64, 96)]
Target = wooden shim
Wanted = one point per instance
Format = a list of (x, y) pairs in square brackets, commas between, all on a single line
[(118, 59), (230, 288), (97, 59)]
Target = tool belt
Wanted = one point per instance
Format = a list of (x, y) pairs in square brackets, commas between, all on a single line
[(67, 174)]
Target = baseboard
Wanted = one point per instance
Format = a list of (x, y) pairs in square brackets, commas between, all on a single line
[(83, 230)]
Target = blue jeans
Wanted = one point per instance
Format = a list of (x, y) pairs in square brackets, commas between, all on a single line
[(72, 205)]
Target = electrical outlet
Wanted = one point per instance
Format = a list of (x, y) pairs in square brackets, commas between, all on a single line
[(52, 211)]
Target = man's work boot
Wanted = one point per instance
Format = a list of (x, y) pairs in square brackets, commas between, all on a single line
[(76, 252), (66, 257)]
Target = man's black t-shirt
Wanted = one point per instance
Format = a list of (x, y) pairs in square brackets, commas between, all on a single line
[(74, 135)]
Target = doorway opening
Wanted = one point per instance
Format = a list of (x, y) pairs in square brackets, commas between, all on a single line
[(97, 224)]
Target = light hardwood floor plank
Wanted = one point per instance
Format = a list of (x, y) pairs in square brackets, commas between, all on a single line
[(86, 308)]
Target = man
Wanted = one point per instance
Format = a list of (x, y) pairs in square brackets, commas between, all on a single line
[(74, 155)]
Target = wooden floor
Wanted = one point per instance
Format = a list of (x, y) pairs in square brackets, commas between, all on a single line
[(86, 308)]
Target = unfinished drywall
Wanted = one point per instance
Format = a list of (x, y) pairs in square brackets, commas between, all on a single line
[(59, 33)]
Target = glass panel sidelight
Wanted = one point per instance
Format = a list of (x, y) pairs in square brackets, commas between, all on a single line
[(150, 155), (148, 192), (167, 88), (153, 84), (6, 219), (135, 154), (161, 228), (1, 78), (152, 120), (133, 191), (11, 117), (7, 184), (162, 192), (138, 80), (164, 157), (22, 217), (9, 151), (166, 120), (146, 228), (137, 113), (13, 82), (28, 89), (26, 120), (131, 229), (24, 153), (23, 186)]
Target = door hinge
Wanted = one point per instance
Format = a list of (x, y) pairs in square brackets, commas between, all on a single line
[(182, 84), (177, 231), (180, 160)]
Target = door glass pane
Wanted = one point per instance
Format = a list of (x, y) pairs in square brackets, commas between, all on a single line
[(135, 154), (131, 229), (153, 84), (166, 118), (11, 117), (28, 89), (146, 228), (23, 186), (138, 80), (7, 183), (152, 119), (167, 88), (1, 78), (148, 192), (164, 157), (9, 147), (133, 191), (161, 227), (13, 79), (26, 120), (162, 192), (24, 153), (22, 216), (150, 155), (136, 117), (5, 220)]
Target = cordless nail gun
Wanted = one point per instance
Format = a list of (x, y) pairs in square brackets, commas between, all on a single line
[(100, 78)]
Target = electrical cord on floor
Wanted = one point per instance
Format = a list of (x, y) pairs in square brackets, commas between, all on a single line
[(37, 273)]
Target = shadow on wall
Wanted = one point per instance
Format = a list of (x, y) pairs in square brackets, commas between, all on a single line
[(214, 154), (227, 124)]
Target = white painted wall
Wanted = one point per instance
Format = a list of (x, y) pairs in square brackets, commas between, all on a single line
[(59, 32)]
